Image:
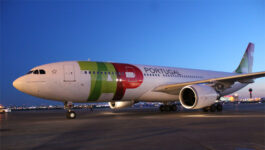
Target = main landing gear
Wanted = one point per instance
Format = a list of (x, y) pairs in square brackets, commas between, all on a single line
[(70, 114), (215, 107), (168, 107)]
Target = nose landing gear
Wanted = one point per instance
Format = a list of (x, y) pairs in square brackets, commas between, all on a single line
[(70, 114)]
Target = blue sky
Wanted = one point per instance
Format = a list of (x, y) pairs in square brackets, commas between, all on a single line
[(205, 34)]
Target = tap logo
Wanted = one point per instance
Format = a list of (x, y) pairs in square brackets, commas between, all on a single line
[(129, 77), (109, 81)]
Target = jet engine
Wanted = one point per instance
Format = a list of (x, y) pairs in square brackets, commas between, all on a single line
[(119, 105), (197, 96)]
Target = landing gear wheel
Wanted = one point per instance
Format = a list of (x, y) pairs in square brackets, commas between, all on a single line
[(70, 115), (205, 109), (173, 108), (167, 108), (219, 107), (213, 108), (162, 108)]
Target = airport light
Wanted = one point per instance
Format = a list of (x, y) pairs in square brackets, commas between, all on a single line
[(250, 92)]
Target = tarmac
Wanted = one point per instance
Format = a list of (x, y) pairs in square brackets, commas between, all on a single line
[(238, 127)]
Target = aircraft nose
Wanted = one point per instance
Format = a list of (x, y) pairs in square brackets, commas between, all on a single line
[(22, 84), (18, 84)]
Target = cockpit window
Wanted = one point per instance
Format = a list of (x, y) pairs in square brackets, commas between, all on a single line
[(42, 71), (30, 72), (36, 72)]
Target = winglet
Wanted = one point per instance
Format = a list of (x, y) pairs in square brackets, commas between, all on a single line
[(246, 63)]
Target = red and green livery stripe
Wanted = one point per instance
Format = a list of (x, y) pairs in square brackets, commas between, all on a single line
[(111, 78)]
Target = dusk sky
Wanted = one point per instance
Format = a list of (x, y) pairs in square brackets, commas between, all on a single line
[(206, 34)]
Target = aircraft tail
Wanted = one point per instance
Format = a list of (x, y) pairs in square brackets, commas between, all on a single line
[(246, 63)]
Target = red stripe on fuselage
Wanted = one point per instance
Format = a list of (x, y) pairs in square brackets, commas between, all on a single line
[(129, 77)]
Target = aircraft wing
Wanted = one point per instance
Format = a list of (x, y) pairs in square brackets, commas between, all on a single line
[(228, 80)]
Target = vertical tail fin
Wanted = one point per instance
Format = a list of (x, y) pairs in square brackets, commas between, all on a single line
[(246, 63)]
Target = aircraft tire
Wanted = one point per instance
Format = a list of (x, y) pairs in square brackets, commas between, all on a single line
[(205, 109), (167, 108), (70, 115), (162, 108), (213, 108), (173, 108), (219, 107)]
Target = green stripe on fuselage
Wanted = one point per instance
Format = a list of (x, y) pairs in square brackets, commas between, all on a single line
[(103, 81), (91, 66), (109, 83)]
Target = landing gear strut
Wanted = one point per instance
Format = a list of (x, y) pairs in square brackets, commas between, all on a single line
[(215, 107), (168, 108), (70, 114), (219, 107)]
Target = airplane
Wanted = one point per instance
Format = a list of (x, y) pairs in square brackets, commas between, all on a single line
[(122, 85)]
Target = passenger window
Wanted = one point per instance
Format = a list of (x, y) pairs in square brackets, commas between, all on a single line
[(36, 72), (42, 71)]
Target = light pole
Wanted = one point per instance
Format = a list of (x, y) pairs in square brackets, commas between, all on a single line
[(250, 92)]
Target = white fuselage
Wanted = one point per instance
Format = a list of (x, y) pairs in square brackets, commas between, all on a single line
[(104, 82)]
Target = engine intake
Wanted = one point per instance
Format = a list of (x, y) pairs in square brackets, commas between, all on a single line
[(119, 105), (197, 96)]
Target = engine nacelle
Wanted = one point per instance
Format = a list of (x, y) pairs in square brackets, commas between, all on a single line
[(119, 105), (197, 96)]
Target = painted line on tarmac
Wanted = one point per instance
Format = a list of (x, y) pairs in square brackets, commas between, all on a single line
[(223, 116)]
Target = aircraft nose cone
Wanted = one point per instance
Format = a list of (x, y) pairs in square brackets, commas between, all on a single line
[(24, 86), (18, 84)]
